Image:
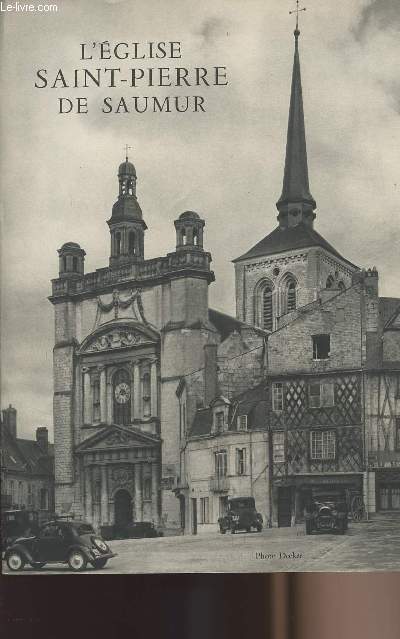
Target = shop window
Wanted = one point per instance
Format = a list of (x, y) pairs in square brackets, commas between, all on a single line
[(277, 397), (240, 461), (242, 422), (278, 447), (321, 346), (321, 394), (44, 499), (221, 463), (204, 510), (323, 444)]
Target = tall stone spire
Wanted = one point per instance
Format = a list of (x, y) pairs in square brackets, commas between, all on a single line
[(296, 203)]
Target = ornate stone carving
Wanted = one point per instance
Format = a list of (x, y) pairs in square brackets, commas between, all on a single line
[(118, 438), (117, 303), (121, 476), (115, 339)]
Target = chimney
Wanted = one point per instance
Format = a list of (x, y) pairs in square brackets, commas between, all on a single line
[(42, 438), (10, 420), (210, 373)]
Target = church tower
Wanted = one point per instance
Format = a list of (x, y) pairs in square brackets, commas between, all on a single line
[(293, 265), (126, 224)]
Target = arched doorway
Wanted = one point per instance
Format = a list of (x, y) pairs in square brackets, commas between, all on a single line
[(123, 508)]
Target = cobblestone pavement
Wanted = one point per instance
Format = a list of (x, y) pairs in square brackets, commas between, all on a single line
[(366, 546)]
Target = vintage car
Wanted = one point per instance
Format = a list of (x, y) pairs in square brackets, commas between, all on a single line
[(18, 523), (326, 512), (71, 542), (241, 515), (133, 530)]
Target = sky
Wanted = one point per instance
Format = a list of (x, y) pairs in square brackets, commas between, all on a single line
[(58, 172)]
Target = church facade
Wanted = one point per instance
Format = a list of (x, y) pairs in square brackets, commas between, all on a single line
[(118, 331)]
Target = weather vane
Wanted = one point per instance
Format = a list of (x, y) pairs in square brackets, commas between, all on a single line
[(297, 11), (126, 151)]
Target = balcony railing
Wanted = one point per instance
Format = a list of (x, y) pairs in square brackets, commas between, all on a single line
[(198, 260), (219, 484)]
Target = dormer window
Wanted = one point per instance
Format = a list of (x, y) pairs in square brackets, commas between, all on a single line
[(242, 422), (219, 420)]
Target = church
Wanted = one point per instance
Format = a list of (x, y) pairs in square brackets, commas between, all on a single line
[(165, 408)]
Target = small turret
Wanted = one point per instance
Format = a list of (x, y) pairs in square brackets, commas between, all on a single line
[(126, 224), (71, 260), (189, 231)]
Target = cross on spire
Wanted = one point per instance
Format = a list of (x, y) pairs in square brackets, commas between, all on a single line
[(126, 147), (297, 11)]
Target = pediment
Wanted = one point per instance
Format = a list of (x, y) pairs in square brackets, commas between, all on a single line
[(118, 334), (112, 437)]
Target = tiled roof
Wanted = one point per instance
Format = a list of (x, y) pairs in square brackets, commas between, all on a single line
[(388, 308), (25, 455), (226, 324), (295, 237)]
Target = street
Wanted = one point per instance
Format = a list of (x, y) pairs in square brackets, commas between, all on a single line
[(366, 546)]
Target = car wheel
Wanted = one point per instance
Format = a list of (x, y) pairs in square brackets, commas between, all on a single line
[(99, 563), (77, 561), (15, 561)]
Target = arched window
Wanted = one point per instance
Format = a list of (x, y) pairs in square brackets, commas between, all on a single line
[(64, 263), (118, 243), (267, 317), (184, 237), (341, 286), (195, 238), (291, 297), (122, 390), (131, 243), (96, 400), (75, 264), (330, 282), (146, 394)]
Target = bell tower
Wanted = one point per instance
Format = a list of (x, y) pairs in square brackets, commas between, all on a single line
[(126, 224)]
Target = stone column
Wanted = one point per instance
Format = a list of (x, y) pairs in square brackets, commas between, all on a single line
[(154, 390), (103, 396), (88, 494), (87, 398), (109, 402), (138, 492), (136, 391), (154, 491), (104, 496)]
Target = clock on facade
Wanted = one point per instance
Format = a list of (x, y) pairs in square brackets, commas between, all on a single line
[(122, 393)]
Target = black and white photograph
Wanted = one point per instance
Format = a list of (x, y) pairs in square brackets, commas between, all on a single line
[(200, 286)]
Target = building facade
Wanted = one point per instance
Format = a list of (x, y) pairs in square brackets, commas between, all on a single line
[(118, 333), (27, 468)]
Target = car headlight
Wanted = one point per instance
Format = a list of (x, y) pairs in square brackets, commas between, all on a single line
[(99, 543)]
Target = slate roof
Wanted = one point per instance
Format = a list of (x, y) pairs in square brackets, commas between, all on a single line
[(25, 455), (252, 403), (288, 239), (226, 324), (388, 309)]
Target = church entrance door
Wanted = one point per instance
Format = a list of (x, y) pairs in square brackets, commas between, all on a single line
[(123, 508)]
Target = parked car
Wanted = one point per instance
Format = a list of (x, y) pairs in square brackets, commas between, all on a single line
[(241, 515), (18, 523), (71, 542), (133, 530), (326, 512)]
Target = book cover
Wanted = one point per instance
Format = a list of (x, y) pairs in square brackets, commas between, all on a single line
[(200, 311)]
